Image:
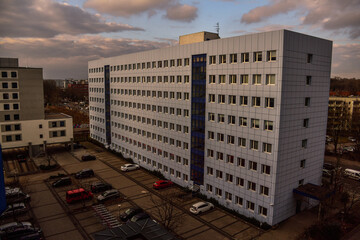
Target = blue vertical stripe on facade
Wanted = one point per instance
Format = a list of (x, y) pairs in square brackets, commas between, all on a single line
[(107, 104)]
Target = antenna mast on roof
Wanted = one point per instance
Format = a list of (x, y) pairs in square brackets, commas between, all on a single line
[(217, 27)]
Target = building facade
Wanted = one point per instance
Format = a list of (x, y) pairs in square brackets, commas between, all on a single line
[(346, 110), (23, 121), (242, 117)]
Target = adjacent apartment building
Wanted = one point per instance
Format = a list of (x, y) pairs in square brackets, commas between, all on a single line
[(23, 121), (244, 118)]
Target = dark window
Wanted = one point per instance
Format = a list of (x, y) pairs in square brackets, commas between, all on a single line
[(55, 134), (4, 74), (18, 137), (17, 127), (14, 85), (15, 95), (5, 85), (8, 138), (40, 125), (6, 106), (5, 96), (13, 74), (41, 136), (62, 133), (62, 123), (309, 58), (7, 127), (16, 106), (16, 116), (7, 117), (53, 124)]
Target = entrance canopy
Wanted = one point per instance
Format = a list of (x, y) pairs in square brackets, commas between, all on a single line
[(313, 191)]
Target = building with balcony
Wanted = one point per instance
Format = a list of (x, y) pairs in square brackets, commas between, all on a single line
[(243, 118)]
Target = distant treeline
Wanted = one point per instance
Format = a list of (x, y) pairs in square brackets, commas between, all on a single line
[(344, 84)]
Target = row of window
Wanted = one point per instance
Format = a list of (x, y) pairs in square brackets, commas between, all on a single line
[(61, 133), (13, 106), (243, 100), (242, 79), (7, 85), (152, 79), (244, 57), (154, 94), (237, 200), (11, 127), (10, 96), (10, 117), (148, 107), (8, 74), (12, 138), (243, 122)]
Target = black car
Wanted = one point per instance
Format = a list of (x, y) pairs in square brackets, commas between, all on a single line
[(88, 158), (15, 195), (100, 187), (129, 213), (139, 217), (85, 173), (22, 232), (65, 181), (328, 166)]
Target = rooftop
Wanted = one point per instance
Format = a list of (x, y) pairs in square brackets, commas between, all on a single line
[(56, 116)]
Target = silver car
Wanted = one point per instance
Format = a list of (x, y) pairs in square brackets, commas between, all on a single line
[(201, 207), (109, 194), (129, 167), (14, 209)]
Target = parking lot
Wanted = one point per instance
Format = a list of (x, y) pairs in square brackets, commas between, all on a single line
[(60, 220)]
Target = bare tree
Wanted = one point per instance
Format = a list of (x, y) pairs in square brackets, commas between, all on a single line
[(166, 211)]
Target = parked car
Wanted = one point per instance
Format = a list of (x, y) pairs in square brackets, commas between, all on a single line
[(129, 213), (21, 158), (14, 225), (351, 173), (109, 194), (129, 167), (14, 195), (352, 139), (201, 207), (21, 231), (100, 187), (85, 173), (139, 217), (162, 184), (78, 195), (14, 209), (65, 181), (328, 166), (326, 173), (348, 149), (88, 158)]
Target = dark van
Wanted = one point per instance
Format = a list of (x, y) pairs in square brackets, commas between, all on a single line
[(85, 173), (65, 181), (78, 195)]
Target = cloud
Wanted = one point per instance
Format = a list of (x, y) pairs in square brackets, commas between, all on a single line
[(341, 16), (125, 8), (67, 56), (183, 13), (45, 18), (346, 58)]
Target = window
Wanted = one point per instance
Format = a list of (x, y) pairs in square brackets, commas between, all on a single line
[(219, 174), (302, 163), (218, 192), (210, 171), (211, 135), (270, 79), (17, 127), (172, 62), (257, 79), (4, 74), (251, 186), (220, 137), (255, 123), (211, 98), (210, 153), (209, 188), (222, 59), (222, 79), (271, 56), (257, 56), (253, 165), (230, 159), (263, 211), (255, 101), (242, 142), (245, 57), (5, 85), (6, 106), (7, 117), (238, 200), (221, 118), (232, 79), (212, 60), (241, 162), (186, 79), (232, 99), (233, 58), (231, 119), (230, 139), (8, 138), (308, 80), (15, 96), (219, 156), (240, 182), (211, 79), (16, 116), (244, 79), (306, 123), (267, 147), (309, 58), (221, 99), (179, 62), (304, 143), (229, 178), (269, 102), (243, 100), (268, 125), (7, 128), (5, 96), (243, 121), (211, 117), (307, 102), (228, 196), (254, 145), (186, 62), (14, 85), (15, 106), (301, 182), (264, 190)]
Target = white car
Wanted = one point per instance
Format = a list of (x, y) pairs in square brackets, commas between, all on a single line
[(129, 167), (201, 207), (352, 139)]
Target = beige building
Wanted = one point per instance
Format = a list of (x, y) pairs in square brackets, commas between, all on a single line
[(342, 109), (23, 121)]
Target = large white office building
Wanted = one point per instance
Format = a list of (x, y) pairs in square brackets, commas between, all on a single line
[(242, 117)]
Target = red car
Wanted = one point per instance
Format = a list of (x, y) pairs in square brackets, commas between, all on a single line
[(162, 184)]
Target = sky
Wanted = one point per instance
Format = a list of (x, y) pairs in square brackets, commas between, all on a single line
[(61, 36)]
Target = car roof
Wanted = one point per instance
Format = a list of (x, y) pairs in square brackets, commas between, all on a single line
[(199, 204), (13, 224), (64, 178), (75, 191)]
